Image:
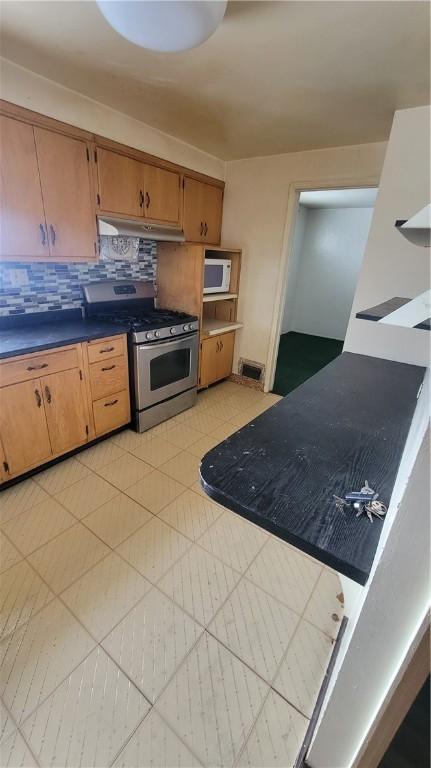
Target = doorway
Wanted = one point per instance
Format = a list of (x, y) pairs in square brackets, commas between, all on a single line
[(330, 234)]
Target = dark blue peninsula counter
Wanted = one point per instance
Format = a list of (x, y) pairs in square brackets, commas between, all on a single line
[(345, 425)]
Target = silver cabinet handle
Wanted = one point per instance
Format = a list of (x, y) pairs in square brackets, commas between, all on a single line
[(53, 235), (42, 234), (37, 367)]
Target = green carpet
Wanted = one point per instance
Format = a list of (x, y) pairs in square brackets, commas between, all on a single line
[(299, 357)]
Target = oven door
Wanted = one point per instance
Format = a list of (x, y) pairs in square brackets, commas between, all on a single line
[(165, 369)]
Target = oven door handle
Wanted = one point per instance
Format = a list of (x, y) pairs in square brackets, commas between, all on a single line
[(168, 342)]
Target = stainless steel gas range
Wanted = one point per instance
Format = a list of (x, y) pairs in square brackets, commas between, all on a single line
[(163, 348)]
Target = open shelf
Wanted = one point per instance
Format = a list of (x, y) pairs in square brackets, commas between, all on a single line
[(407, 313), (213, 326), (219, 296)]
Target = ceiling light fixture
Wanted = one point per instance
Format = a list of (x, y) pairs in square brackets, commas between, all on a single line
[(164, 25)]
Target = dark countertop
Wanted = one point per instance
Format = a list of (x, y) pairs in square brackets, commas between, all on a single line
[(345, 425), (57, 332), (380, 311)]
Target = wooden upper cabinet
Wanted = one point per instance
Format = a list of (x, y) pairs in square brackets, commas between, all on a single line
[(67, 194), (161, 195), (22, 222), (203, 205), (213, 211), (121, 181)]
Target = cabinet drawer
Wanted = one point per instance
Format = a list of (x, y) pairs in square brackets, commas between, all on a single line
[(108, 376), (38, 365), (112, 347), (111, 412)]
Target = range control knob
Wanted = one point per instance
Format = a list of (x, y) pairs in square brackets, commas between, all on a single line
[(186, 327), (192, 327), (173, 331), (157, 334), (149, 335)]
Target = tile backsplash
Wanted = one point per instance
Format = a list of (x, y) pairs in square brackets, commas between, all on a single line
[(42, 286)]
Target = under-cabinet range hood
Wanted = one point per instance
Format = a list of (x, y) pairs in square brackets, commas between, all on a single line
[(113, 227)]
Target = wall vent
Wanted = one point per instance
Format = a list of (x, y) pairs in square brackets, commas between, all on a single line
[(251, 370)]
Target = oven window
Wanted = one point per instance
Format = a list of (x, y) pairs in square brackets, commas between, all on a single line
[(168, 368), (213, 277)]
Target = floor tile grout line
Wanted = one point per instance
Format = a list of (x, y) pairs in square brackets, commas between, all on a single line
[(51, 598)]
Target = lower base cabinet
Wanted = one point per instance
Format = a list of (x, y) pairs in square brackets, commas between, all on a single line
[(23, 427), (46, 403), (216, 358)]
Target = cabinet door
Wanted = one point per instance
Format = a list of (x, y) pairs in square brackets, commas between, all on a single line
[(23, 426), (208, 361), (22, 223), (66, 409), (120, 183), (225, 354), (193, 218), (212, 214), (162, 195), (67, 195)]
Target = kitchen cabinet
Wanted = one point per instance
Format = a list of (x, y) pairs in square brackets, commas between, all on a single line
[(128, 187), (216, 358), (109, 383), (55, 401), (22, 222), (162, 193), (120, 183), (202, 217), (66, 409), (47, 205), (23, 426), (65, 177)]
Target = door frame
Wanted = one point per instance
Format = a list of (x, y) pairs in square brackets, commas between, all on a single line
[(294, 191)]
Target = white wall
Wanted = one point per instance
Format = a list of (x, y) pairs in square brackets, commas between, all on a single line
[(254, 219), (329, 262), (25, 88), (392, 266), (294, 263), (397, 595)]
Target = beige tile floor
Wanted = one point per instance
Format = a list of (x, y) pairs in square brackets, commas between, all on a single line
[(144, 625)]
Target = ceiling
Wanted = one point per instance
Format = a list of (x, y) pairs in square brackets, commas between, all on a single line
[(275, 77), (339, 198)]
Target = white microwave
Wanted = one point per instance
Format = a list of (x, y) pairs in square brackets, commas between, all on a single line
[(217, 275)]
